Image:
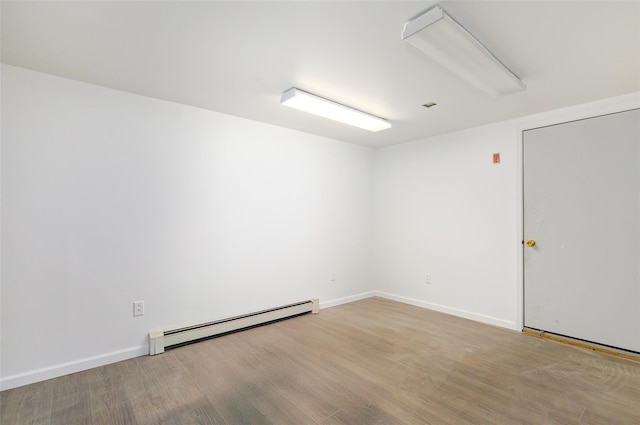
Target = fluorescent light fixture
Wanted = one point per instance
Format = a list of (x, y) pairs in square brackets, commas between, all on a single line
[(307, 102), (439, 36)]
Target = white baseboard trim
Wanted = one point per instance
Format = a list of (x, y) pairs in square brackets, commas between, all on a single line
[(38, 375), (449, 310), (345, 300)]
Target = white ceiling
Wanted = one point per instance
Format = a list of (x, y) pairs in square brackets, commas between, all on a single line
[(237, 57)]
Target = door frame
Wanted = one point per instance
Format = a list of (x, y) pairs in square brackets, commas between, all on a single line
[(560, 116)]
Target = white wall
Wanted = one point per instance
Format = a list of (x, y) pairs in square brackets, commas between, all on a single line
[(110, 198), (442, 207)]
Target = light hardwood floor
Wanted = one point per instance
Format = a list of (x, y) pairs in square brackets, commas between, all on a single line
[(369, 362)]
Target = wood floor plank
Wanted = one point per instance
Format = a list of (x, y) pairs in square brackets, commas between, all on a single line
[(27, 405), (273, 405), (71, 402), (118, 414), (373, 361)]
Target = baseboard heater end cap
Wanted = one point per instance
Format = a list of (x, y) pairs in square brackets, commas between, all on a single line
[(316, 305), (156, 342)]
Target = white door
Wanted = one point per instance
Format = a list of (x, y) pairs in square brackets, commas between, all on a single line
[(582, 209)]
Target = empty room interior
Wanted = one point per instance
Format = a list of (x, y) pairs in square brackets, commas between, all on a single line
[(320, 212)]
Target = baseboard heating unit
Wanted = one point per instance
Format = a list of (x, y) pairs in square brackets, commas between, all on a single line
[(160, 340)]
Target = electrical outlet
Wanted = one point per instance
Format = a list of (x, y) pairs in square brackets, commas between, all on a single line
[(427, 278), (138, 308)]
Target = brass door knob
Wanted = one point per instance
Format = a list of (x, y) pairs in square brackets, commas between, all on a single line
[(531, 243)]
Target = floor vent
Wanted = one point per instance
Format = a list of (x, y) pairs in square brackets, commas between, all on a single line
[(161, 340)]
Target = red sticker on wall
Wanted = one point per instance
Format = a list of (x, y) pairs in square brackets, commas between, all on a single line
[(496, 158)]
